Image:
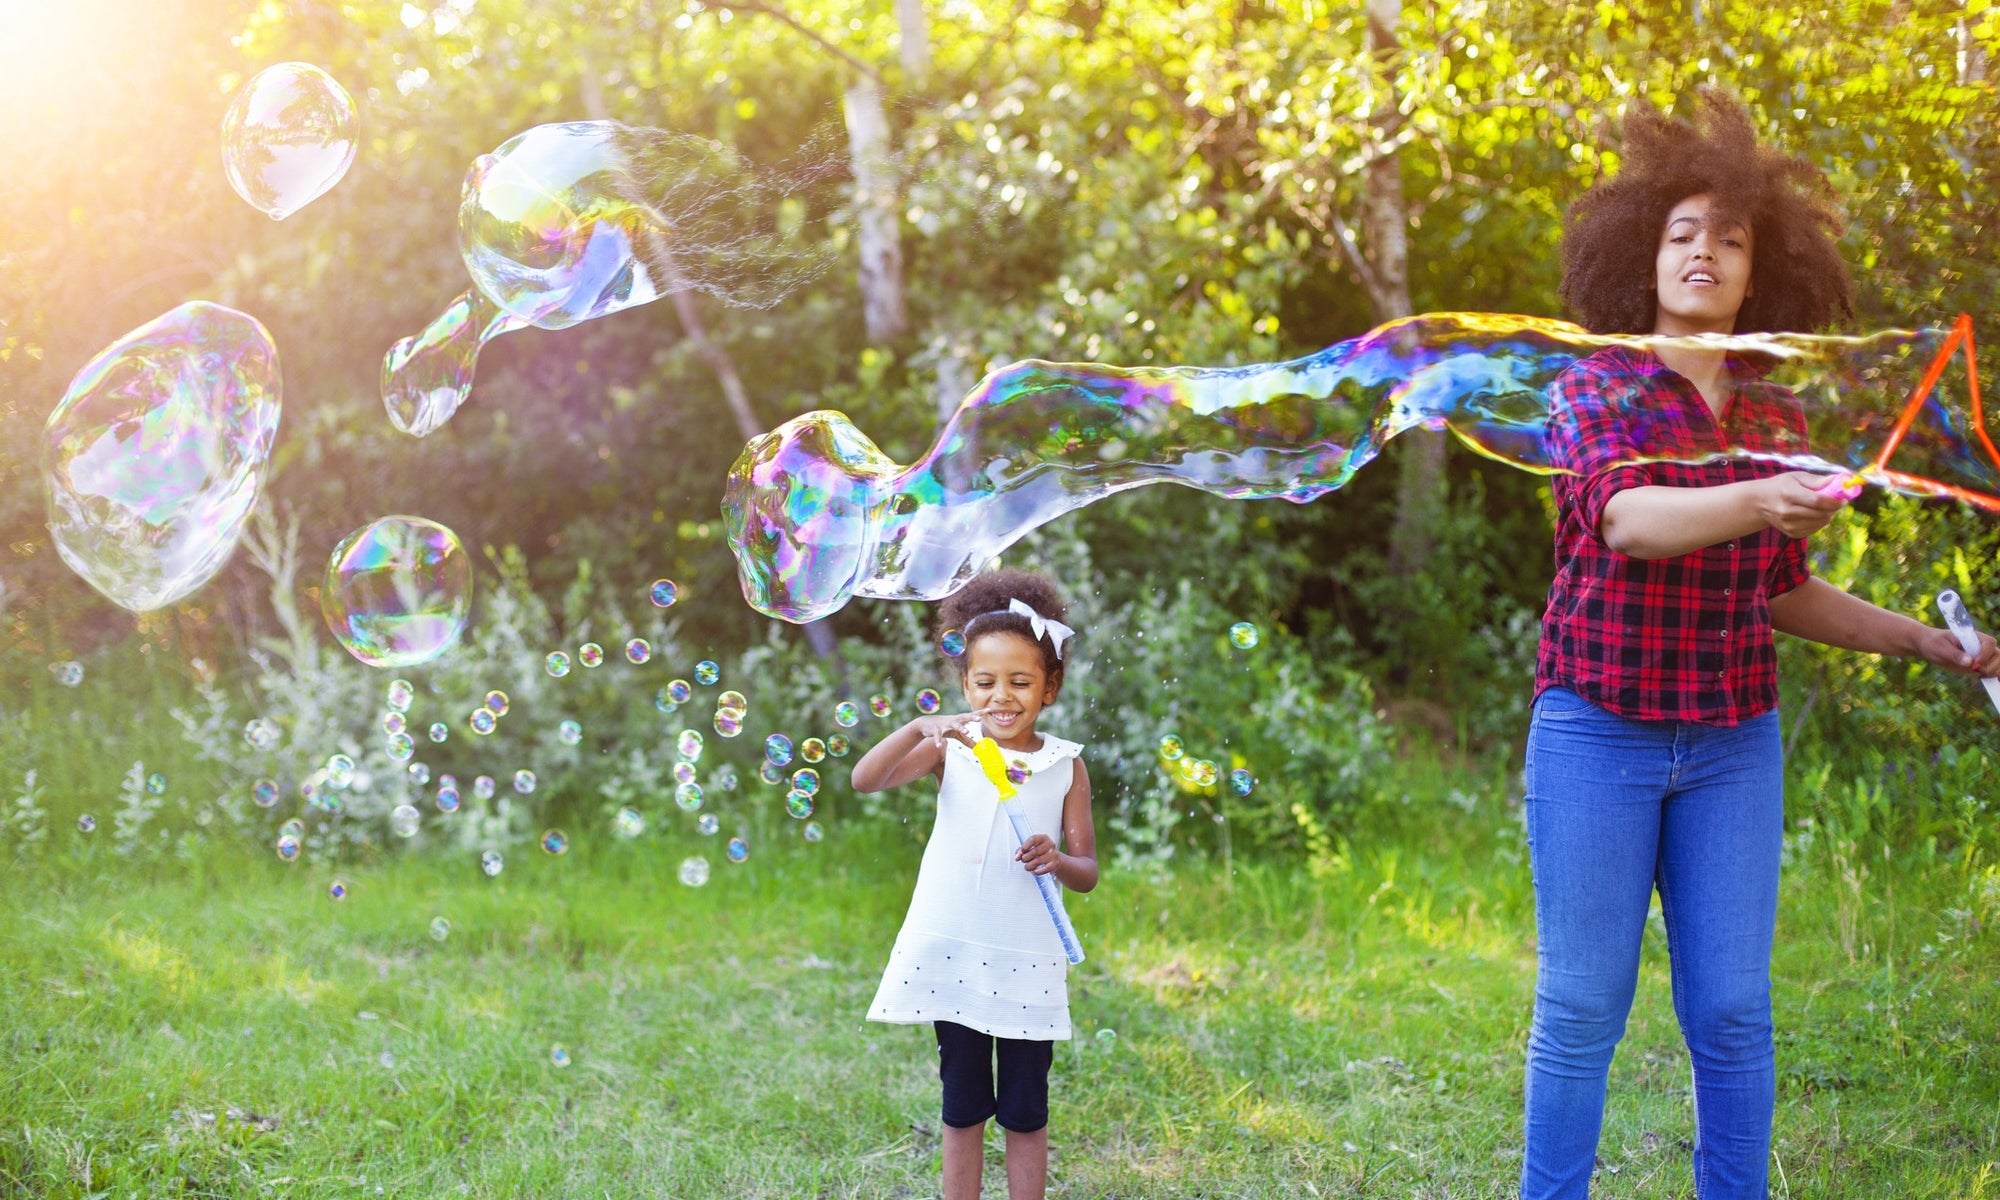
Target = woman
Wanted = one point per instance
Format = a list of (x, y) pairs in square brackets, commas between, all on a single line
[(1654, 758)]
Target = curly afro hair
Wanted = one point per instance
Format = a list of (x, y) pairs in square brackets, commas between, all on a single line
[(1612, 233), (985, 598)]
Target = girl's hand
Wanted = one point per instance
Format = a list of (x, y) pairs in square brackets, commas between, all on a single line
[(1038, 854), (1940, 647), (962, 728)]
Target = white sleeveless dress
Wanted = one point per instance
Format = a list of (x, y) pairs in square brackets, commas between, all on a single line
[(977, 947)]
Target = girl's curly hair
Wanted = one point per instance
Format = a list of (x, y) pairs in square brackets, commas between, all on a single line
[(1611, 234), (985, 599)]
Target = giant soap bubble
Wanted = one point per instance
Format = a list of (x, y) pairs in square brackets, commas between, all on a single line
[(397, 591), (817, 513), (287, 138), (155, 456), (568, 222)]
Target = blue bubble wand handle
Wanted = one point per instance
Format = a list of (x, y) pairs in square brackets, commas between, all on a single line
[(995, 770), (1961, 624)]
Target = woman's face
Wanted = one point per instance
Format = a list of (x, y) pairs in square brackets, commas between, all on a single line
[(1701, 275)]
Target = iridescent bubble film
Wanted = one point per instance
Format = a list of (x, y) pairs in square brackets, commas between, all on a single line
[(419, 774), (440, 731), (1241, 782), (1017, 772), (688, 745), (556, 664), (555, 841), (261, 733), (664, 593), (497, 703), (771, 772), (694, 871), (440, 929), (1203, 773), (952, 642), (492, 862), (725, 778), (68, 674), (706, 673), (812, 832), (799, 804), (294, 828), (569, 733), (559, 1055), (732, 701), (688, 796), (86, 823), (707, 824), (404, 819), (339, 770), (684, 772), (401, 693), (638, 651), (837, 746), (628, 823), (727, 723), (447, 800), (818, 514), (590, 654), (846, 714), (483, 787), (778, 750), (928, 701), (880, 706), (394, 722), (1171, 748), (806, 780), (812, 750), (337, 890), (737, 850), (524, 781), (397, 591), (264, 793), (288, 847), (678, 690), (1243, 635), (483, 721), (155, 456), (427, 378), (288, 137)]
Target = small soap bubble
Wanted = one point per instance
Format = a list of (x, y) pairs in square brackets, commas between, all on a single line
[(86, 823), (694, 871), (778, 750), (261, 733), (1171, 748), (397, 591), (524, 781), (419, 774), (394, 722), (845, 714), (724, 778), (483, 721), (156, 784), (638, 651), (288, 137), (737, 850), (812, 832), (590, 654), (1204, 773), (559, 1055), (337, 889), (288, 847), (684, 772), (555, 841), (292, 828), (812, 750), (569, 733), (733, 702), (837, 746), (679, 690), (688, 796), (448, 780), (1243, 635), (492, 863), (497, 703), (1017, 772), (799, 804), (1242, 782), (1107, 1037), (404, 819), (628, 823), (556, 664), (440, 731), (70, 674), (771, 772), (665, 703), (664, 593), (447, 800), (806, 780), (707, 824), (688, 745), (879, 705), (440, 929), (727, 723), (706, 673), (401, 693), (952, 643), (340, 771), (264, 792), (483, 787), (928, 701), (400, 747)]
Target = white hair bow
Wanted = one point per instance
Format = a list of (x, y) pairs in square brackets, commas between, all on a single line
[(1057, 631)]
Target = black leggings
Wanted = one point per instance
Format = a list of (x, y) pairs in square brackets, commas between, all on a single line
[(965, 1065)]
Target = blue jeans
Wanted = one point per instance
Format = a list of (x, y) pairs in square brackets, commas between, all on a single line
[(1617, 808)]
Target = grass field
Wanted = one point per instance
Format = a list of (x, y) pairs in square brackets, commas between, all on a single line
[(1350, 1030)]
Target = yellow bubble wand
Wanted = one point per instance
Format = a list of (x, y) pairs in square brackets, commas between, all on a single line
[(995, 769)]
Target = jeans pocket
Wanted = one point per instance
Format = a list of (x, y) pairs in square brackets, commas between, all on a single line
[(1561, 704)]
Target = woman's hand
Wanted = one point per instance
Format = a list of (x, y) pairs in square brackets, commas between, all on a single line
[(962, 728), (1793, 505), (1038, 854), (1940, 647)]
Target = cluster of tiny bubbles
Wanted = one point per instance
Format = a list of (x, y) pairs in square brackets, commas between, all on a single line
[(401, 693), (694, 871), (419, 774), (404, 819), (684, 772), (1171, 748), (837, 746), (483, 721), (1242, 782), (771, 772), (401, 746), (706, 673), (628, 823), (556, 664), (845, 714), (483, 787), (952, 643), (928, 701), (724, 778), (678, 691), (337, 889), (737, 850), (264, 792), (555, 841), (492, 863), (799, 804), (813, 832), (590, 654), (688, 796), (812, 750), (261, 733), (69, 674), (708, 824), (879, 705), (638, 651), (569, 733), (524, 781), (559, 1055), (497, 703), (440, 731), (287, 138), (664, 593), (156, 453), (86, 823), (1017, 772), (394, 723), (688, 745), (1243, 635), (398, 591), (340, 770), (778, 750), (440, 929), (806, 780)]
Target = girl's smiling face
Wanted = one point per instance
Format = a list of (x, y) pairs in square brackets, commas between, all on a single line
[(1701, 275), (1004, 672)]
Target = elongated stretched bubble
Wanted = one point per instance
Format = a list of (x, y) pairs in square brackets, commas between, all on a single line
[(568, 222), (817, 514), (156, 454)]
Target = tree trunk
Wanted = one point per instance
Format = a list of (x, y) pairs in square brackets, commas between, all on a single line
[(876, 203), (915, 50)]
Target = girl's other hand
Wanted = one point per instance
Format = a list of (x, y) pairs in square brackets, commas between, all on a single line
[(960, 727), (1038, 854), (1940, 647)]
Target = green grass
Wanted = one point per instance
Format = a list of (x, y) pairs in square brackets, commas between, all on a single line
[(229, 1030)]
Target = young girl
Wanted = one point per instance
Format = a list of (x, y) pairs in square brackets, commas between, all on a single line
[(978, 956)]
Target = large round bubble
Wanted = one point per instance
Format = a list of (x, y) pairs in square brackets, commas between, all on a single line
[(288, 138), (397, 591), (156, 453)]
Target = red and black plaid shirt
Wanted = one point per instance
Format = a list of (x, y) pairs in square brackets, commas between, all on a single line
[(1685, 638)]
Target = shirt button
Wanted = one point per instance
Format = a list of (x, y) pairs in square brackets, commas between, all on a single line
[(1724, 633), (1722, 674), (1728, 591), (1732, 545)]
